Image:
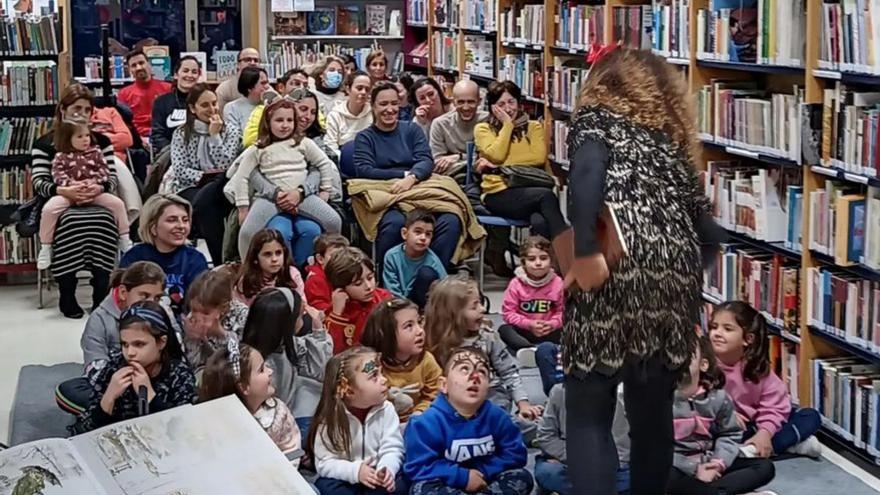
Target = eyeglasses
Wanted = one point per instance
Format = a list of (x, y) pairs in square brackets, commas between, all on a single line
[(253, 60)]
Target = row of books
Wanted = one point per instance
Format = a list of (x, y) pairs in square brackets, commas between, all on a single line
[(28, 35), (844, 305), (845, 392), (348, 20), (579, 26), (526, 70), (750, 200), (479, 56), (850, 36), (671, 28), (479, 15), (767, 281), (287, 55), (851, 130), (17, 135), (752, 31), (15, 185), (524, 25), (417, 12), (445, 49), (14, 249), (447, 13), (559, 141), (94, 70), (28, 83), (845, 223), (565, 82), (633, 25), (742, 115)]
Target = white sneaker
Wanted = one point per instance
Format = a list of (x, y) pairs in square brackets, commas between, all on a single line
[(44, 259), (526, 357), (809, 447), (749, 451), (124, 242)]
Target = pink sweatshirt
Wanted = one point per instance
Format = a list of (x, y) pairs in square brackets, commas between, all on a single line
[(766, 403), (526, 300)]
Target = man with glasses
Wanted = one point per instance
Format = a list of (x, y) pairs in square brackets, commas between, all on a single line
[(228, 89)]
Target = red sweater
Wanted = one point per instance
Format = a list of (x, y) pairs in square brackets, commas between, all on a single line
[(345, 330), (140, 97), (318, 290)]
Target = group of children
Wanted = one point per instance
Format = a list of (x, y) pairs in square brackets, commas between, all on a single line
[(408, 390)]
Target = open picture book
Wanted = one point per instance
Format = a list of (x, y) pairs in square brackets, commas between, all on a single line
[(210, 448)]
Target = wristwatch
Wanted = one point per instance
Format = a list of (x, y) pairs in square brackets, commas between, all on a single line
[(410, 174)]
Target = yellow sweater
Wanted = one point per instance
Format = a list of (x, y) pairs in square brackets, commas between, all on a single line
[(412, 387), (530, 150), (252, 129)]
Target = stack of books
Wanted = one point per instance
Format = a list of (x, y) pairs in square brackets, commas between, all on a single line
[(559, 143), (417, 12), (29, 83), (526, 70), (671, 28), (579, 26), (94, 70), (523, 26)]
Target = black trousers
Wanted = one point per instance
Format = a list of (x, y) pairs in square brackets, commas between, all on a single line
[(538, 205), (744, 475), (517, 338), (67, 289), (210, 209), (590, 402)]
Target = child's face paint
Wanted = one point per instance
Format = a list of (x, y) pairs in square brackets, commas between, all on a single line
[(370, 386), (467, 383)]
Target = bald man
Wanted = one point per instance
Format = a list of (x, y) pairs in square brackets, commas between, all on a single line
[(228, 89), (451, 132)]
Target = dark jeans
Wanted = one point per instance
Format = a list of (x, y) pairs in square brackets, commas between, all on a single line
[(590, 402), (801, 424), (553, 477), (100, 283), (210, 209), (547, 359), (518, 338), (512, 482), (421, 285), (446, 232), (538, 205), (331, 486), (744, 475), (73, 395)]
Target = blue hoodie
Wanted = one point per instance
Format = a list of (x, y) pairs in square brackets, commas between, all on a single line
[(181, 268), (443, 445)]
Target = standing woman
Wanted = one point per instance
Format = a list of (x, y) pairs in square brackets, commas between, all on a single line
[(169, 110), (430, 102), (201, 150), (328, 76), (510, 139), (377, 66), (72, 251), (631, 144)]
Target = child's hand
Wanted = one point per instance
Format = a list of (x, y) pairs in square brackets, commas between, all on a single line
[(367, 474), (386, 479), (476, 482), (140, 378), (708, 472), (340, 299), (528, 411), (317, 317), (119, 382), (762, 442), (195, 327)]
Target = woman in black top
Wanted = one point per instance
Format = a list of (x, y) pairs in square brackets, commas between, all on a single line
[(86, 237), (631, 146), (169, 110)]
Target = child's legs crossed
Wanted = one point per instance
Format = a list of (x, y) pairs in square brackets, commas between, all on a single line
[(52, 210), (515, 337), (552, 476), (513, 482), (434, 487), (745, 475), (801, 424), (332, 486), (546, 357), (116, 207), (681, 483)]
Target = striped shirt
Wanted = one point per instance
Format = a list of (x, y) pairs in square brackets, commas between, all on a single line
[(43, 153)]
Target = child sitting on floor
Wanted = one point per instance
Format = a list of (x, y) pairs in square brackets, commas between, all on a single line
[(318, 291), (393, 329), (411, 267), (353, 278), (464, 443)]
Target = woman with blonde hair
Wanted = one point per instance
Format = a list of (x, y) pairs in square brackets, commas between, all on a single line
[(631, 144), (328, 77)]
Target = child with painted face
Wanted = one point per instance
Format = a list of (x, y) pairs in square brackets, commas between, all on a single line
[(151, 359), (355, 438), (463, 443)]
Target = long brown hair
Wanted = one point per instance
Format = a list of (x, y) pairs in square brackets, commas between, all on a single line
[(265, 136), (380, 330), (756, 360), (218, 379), (69, 96), (191, 99), (494, 93), (338, 380), (250, 277), (62, 138), (644, 88), (445, 322), (138, 273)]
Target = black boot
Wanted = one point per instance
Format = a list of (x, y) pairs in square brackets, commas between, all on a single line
[(67, 296), (100, 287), (496, 245)]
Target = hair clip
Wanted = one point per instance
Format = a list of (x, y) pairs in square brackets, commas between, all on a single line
[(234, 356)]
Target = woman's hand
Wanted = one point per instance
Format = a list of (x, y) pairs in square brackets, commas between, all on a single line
[(588, 272), (288, 201), (215, 125), (140, 378), (403, 185), (500, 114), (422, 113), (484, 164)]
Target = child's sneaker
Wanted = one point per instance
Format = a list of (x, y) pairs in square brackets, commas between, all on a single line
[(749, 451), (526, 357), (44, 259), (124, 242), (809, 447)]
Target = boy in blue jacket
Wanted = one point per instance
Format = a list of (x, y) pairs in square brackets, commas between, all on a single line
[(464, 443)]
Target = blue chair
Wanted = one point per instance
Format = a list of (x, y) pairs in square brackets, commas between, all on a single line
[(487, 220)]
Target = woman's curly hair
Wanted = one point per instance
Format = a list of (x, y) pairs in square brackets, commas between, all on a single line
[(643, 87)]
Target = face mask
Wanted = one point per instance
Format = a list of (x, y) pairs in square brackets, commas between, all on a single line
[(334, 79)]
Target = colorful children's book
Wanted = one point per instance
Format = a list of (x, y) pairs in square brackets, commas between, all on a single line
[(375, 20), (322, 21), (348, 20)]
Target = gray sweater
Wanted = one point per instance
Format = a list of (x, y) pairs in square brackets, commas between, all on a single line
[(101, 333), (705, 429), (300, 386), (505, 372), (238, 112), (449, 134)]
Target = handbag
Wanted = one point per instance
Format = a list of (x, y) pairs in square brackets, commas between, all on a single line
[(523, 176), (27, 216)]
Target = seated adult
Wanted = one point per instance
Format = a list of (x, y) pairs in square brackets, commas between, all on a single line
[(108, 121), (169, 110), (377, 66), (292, 79), (328, 77), (510, 139), (227, 91), (252, 82), (398, 151), (451, 131), (352, 115), (140, 95), (73, 252), (164, 228), (430, 102), (201, 151)]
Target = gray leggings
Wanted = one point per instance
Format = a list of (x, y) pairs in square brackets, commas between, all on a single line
[(262, 210)]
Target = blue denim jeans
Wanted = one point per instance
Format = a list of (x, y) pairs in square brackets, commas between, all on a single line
[(331, 486), (801, 424), (299, 232), (553, 477), (546, 358)]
